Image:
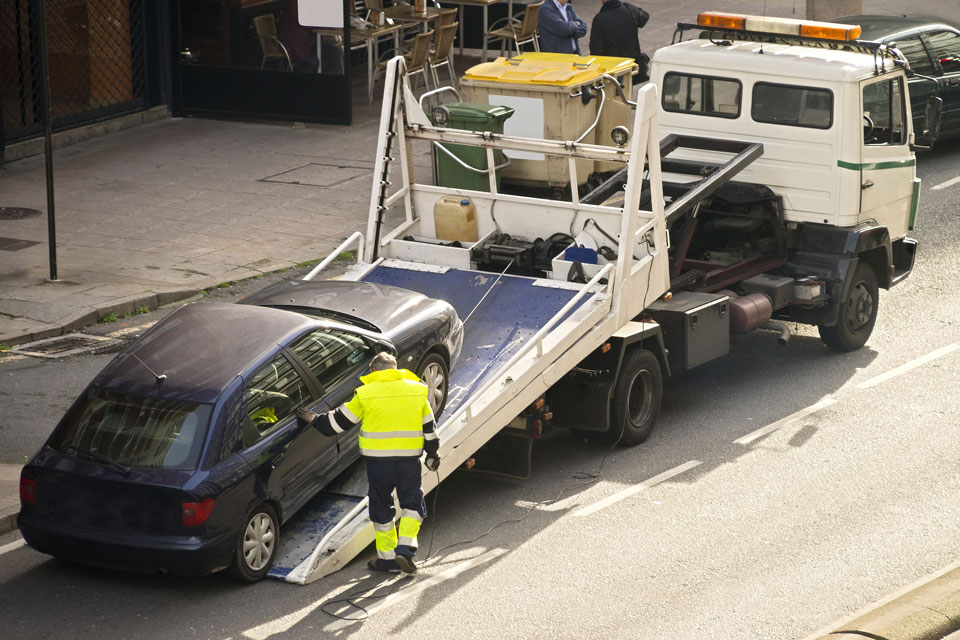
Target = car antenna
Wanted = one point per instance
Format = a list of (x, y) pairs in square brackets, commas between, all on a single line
[(159, 376)]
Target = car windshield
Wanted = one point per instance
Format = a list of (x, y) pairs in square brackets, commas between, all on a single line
[(133, 431)]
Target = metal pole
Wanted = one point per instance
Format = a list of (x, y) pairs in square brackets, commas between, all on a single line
[(47, 136)]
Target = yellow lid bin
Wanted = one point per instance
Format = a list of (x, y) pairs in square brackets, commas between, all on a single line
[(538, 86)]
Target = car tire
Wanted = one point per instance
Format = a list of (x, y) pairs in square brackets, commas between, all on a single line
[(858, 312), (434, 372), (636, 398), (257, 545)]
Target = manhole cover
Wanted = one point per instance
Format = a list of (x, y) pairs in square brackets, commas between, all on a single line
[(17, 213), (13, 244), (62, 346)]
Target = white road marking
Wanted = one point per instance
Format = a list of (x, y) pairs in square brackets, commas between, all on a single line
[(13, 546), (770, 428), (287, 622), (944, 185), (626, 493), (836, 624), (443, 576), (913, 364)]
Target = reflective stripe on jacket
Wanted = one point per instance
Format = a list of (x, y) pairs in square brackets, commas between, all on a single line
[(392, 405)]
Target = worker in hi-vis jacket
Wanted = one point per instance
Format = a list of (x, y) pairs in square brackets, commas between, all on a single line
[(398, 426)]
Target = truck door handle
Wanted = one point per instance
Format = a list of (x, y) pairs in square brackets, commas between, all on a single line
[(866, 185)]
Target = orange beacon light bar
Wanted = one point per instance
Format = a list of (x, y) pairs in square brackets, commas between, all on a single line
[(780, 26)]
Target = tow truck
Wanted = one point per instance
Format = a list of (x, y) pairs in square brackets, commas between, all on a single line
[(784, 189)]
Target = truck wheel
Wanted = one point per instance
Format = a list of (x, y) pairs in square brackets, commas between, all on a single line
[(256, 545), (858, 313), (434, 372), (636, 398)]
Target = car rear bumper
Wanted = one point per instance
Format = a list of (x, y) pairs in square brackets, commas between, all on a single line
[(130, 551)]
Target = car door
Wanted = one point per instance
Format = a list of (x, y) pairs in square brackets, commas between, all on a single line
[(887, 166), (944, 47), (915, 51), (273, 442), (337, 358)]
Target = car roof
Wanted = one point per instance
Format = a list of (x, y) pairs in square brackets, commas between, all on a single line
[(878, 27), (200, 348)]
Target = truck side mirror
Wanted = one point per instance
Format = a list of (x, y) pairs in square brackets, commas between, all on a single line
[(932, 118)]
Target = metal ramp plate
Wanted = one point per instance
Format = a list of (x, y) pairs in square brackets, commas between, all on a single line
[(516, 308)]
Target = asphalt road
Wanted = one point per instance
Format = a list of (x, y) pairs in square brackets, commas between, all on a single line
[(775, 535)]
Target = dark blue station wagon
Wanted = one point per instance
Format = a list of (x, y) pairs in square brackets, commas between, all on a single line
[(184, 454)]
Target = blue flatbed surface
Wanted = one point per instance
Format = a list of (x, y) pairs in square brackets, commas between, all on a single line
[(513, 312)]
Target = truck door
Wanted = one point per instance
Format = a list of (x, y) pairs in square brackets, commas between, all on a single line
[(887, 166)]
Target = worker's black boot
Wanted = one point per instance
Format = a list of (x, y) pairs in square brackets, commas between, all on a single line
[(406, 564), (379, 564)]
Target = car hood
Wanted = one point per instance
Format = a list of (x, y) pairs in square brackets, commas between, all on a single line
[(362, 303)]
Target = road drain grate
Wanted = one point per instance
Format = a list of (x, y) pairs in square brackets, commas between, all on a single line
[(17, 213), (63, 346)]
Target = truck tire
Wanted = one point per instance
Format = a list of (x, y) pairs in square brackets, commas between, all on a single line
[(636, 398), (858, 312)]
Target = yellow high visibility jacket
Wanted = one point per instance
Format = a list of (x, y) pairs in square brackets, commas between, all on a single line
[(392, 405)]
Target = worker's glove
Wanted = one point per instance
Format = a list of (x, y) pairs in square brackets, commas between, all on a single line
[(432, 463), (305, 417)]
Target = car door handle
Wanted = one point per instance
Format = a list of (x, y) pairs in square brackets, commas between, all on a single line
[(866, 185), (277, 458)]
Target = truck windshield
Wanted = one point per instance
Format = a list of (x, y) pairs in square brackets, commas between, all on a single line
[(134, 431)]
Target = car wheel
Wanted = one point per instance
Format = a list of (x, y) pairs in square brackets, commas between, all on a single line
[(434, 372), (636, 398), (858, 313), (256, 545)]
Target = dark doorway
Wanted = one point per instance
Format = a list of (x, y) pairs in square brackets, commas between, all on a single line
[(252, 58)]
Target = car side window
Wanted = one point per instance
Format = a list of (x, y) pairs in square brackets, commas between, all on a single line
[(916, 54), (333, 355), (945, 47), (271, 396), (883, 109)]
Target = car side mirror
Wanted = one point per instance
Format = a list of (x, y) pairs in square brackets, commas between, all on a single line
[(932, 118)]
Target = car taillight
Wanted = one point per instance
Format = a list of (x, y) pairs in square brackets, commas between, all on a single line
[(28, 491), (196, 513)]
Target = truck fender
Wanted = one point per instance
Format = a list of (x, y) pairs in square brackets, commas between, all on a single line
[(867, 241), (582, 398)]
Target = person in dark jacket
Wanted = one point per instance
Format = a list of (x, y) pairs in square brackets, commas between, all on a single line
[(560, 27), (614, 33)]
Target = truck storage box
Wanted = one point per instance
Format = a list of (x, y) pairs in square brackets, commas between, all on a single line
[(538, 87), (696, 327)]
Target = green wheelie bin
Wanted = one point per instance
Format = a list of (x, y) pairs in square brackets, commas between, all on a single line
[(470, 117)]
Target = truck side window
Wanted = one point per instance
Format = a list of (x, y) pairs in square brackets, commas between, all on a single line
[(702, 95), (883, 113), (792, 105)]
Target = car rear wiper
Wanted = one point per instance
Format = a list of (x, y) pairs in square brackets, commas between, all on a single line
[(99, 457)]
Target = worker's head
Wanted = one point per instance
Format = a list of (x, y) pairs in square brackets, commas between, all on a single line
[(382, 361)]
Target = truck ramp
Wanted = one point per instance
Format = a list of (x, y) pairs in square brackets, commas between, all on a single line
[(503, 313)]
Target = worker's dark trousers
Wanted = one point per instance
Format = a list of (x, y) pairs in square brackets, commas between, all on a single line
[(383, 477)]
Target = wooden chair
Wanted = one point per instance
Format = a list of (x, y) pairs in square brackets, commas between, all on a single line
[(442, 53), (520, 32), (270, 45), (416, 59)]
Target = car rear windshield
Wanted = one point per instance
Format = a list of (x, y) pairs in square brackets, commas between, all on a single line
[(134, 431)]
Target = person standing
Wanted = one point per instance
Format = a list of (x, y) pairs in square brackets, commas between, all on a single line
[(614, 33), (398, 425), (560, 27)]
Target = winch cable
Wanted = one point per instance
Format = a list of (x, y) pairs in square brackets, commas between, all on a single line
[(484, 297)]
